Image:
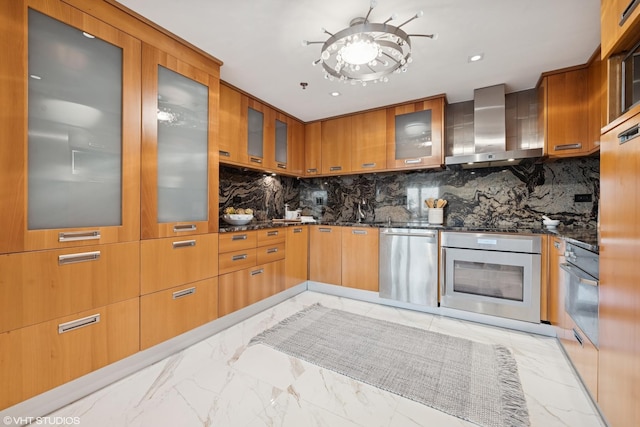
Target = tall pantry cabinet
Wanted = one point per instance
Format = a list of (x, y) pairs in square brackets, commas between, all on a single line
[(78, 122)]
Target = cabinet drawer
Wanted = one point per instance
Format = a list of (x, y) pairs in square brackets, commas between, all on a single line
[(168, 313), (44, 285), (46, 355), (170, 262), (245, 287), (230, 242), (270, 253), (270, 236), (232, 261)]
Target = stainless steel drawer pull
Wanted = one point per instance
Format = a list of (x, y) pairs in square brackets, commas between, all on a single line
[(184, 293), (239, 237), (335, 168), (281, 166), (297, 230), (324, 230), (184, 244), (359, 232), (561, 147), (256, 272), (239, 257), (184, 227), (312, 170), (629, 134), (80, 257), (272, 233), (272, 250), (628, 11), (412, 161), (77, 324), (255, 160), (224, 153), (72, 236), (577, 337), (368, 165)]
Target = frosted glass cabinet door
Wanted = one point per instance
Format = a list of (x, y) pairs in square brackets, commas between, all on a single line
[(255, 125), (281, 144), (413, 135), (182, 148), (74, 127)]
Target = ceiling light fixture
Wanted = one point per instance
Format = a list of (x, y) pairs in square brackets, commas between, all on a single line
[(365, 51), (477, 57)]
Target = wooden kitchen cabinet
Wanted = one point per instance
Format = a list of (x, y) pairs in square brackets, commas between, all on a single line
[(297, 260), (312, 149), (296, 148), (617, 37), (70, 176), (563, 102), (42, 285), (360, 258), (557, 315), (169, 313), (325, 254), (415, 134), (583, 355), (40, 357), (170, 262), (179, 153), (248, 286), (368, 141), (232, 138), (336, 146)]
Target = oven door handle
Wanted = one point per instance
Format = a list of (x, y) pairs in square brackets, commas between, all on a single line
[(443, 269), (584, 278)]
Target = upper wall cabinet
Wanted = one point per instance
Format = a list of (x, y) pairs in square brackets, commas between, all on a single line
[(336, 146), (179, 157), (618, 19), (368, 141), (232, 144), (312, 148), (70, 157), (414, 135)]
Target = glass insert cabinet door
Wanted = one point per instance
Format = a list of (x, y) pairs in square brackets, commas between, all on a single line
[(82, 131), (415, 138), (175, 147)]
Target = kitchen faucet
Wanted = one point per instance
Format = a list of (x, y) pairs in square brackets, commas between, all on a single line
[(361, 214)]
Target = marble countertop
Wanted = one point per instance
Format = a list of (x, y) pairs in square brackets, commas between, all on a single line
[(586, 238)]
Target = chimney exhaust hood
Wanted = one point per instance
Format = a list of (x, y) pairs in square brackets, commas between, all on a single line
[(490, 140)]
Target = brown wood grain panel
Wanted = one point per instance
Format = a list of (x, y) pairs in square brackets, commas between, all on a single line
[(270, 253), (36, 287), (295, 147), (360, 258), (615, 37), (41, 358), (336, 146), (173, 261), (297, 259), (556, 314), (237, 260), (232, 141), (325, 254), (268, 236), (369, 141), (312, 148), (165, 314), (236, 241)]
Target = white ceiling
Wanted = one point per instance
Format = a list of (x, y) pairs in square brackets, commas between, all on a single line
[(259, 42)]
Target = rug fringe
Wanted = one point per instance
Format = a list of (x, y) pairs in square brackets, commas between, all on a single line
[(261, 337), (515, 405)]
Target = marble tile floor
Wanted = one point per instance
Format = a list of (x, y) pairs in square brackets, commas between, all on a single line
[(222, 382)]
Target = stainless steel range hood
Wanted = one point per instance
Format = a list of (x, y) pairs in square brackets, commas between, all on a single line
[(490, 140)]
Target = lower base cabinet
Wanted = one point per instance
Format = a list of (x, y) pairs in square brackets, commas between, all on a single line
[(40, 357), (583, 355), (360, 258), (250, 285), (166, 314), (296, 264)]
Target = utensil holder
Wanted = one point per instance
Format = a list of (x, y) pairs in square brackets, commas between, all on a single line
[(436, 215)]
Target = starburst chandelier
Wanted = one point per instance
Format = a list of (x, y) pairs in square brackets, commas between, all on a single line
[(366, 51)]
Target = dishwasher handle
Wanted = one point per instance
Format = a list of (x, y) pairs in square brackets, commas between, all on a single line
[(582, 277), (429, 234)]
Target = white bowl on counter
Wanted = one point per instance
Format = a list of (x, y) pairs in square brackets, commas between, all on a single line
[(550, 223), (237, 219)]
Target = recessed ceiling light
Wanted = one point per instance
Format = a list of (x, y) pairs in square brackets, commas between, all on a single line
[(35, 77), (477, 57), (334, 93)]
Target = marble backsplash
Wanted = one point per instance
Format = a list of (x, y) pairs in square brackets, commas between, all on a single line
[(515, 196)]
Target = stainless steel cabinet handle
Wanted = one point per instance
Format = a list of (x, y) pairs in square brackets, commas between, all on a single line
[(359, 232), (239, 237), (224, 153), (80, 257), (628, 11), (238, 257), (183, 244), (335, 168), (184, 293), (412, 161), (72, 236), (578, 337), (272, 233), (256, 272), (324, 230), (368, 165), (80, 323), (312, 170), (297, 230), (629, 134), (184, 227), (272, 250), (255, 160), (281, 166), (427, 235), (567, 146)]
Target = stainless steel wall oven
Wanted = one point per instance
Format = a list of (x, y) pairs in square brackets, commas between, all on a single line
[(495, 274)]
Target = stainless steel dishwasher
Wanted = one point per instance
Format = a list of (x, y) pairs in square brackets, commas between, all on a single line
[(409, 265)]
